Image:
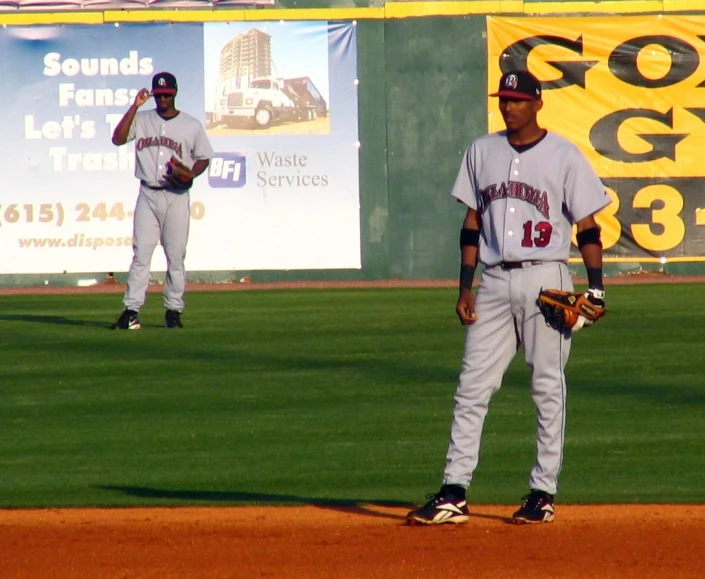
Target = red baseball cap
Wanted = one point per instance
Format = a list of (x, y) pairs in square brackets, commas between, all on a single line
[(520, 85), (164, 83)]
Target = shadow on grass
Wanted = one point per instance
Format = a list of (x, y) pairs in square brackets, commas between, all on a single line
[(234, 498), (352, 506), (56, 320)]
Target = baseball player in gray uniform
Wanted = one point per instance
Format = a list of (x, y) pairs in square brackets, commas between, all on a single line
[(162, 211), (524, 188)]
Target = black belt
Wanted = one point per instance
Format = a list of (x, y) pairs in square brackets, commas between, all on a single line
[(153, 188), (518, 264)]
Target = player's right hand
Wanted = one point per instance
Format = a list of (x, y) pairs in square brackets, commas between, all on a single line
[(465, 308), (142, 97)]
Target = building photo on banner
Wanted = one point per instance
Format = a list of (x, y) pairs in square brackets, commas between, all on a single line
[(628, 92), (278, 101)]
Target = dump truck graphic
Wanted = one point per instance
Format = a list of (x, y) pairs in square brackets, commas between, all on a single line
[(268, 100)]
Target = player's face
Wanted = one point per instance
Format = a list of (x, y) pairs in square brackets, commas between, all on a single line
[(165, 102), (518, 114)]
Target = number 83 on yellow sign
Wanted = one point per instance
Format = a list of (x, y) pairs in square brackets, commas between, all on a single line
[(666, 205)]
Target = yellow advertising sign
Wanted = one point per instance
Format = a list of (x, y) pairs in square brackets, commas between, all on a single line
[(627, 90), (630, 92)]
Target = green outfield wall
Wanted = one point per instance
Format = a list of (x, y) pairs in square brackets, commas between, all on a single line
[(422, 98)]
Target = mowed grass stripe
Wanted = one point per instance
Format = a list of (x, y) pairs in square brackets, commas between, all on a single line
[(330, 396)]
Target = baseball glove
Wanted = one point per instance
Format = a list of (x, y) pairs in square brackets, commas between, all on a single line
[(571, 311), (178, 174)]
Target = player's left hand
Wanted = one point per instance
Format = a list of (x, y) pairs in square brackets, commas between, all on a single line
[(178, 174), (465, 308), (596, 298), (570, 310)]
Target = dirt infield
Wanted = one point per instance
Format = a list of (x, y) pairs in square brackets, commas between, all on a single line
[(596, 542)]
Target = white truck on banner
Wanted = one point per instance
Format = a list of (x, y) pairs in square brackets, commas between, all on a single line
[(268, 100)]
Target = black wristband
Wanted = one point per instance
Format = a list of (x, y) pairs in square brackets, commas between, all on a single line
[(467, 273), (594, 275)]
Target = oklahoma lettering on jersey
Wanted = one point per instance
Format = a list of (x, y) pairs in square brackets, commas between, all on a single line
[(145, 142), (515, 190), (157, 140)]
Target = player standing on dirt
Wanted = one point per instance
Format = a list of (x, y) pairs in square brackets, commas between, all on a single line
[(163, 136), (524, 188)]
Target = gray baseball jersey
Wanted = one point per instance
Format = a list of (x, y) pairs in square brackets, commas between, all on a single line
[(157, 139), (522, 196), (527, 202), (162, 212)]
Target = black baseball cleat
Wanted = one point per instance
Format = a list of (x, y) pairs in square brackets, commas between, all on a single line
[(172, 319), (444, 507), (128, 320), (537, 508)]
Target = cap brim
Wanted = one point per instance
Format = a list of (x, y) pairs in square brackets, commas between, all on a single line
[(164, 91), (510, 94)]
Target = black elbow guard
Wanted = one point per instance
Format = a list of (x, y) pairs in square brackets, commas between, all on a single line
[(469, 237), (589, 236)]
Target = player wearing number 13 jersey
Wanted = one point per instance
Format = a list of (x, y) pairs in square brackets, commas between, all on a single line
[(524, 189)]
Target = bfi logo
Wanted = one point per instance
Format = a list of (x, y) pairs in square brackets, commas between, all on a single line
[(227, 170)]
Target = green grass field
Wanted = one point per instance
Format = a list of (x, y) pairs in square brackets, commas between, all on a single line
[(331, 397)]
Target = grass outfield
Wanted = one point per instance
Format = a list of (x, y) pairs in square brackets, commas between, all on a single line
[(331, 397)]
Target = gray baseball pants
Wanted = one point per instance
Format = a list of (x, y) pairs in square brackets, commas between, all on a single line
[(507, 318), (161, 216)]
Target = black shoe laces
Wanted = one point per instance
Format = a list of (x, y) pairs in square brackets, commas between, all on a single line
[(438, 498), (433, 499), (535, 500)]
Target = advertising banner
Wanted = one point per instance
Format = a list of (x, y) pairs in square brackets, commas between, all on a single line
[(278, 101), (628, 91)]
